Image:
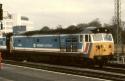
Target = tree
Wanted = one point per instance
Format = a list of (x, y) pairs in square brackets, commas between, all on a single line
[(82, 26), (95, 23), (71, 27), (45, 28), (59, 27)]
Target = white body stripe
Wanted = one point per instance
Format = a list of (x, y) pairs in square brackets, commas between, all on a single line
[(2, 47), (41, 49)]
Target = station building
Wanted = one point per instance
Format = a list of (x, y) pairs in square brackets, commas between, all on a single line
[(15, 22)]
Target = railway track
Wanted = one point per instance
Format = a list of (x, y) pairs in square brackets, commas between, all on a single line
[(108, 72)]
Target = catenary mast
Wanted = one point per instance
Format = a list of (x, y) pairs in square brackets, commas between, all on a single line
[(118, 38)]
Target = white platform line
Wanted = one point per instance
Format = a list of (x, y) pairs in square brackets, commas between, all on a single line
[(59, 73)]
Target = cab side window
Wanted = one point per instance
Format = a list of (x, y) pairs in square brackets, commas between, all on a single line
[(81, 38), (87, 38)]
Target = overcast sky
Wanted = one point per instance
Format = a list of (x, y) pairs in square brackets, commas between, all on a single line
[(62, 12)]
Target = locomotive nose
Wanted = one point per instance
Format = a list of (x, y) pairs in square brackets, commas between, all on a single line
[(100, 46), (104, 49)]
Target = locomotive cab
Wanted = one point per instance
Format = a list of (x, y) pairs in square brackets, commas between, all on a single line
[(102, 47), (99, 46)]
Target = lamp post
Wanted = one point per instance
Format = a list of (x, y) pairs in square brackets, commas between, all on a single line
[(1, 16)]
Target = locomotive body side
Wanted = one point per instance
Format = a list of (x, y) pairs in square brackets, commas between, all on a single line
[(48, 48), (48, 43)]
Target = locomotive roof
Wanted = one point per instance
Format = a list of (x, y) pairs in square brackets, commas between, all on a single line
[(96, 30), (46, 35), (37, 35), (88, 30)]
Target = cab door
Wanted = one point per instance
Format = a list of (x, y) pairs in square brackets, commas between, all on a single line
[(87, 43)]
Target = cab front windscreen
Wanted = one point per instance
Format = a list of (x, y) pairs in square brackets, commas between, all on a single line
[(107, 37), (102, 37)]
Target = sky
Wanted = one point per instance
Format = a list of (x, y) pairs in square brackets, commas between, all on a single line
[(62, 12)]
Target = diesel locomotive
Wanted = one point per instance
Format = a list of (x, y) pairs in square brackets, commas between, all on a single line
[(93, 46)]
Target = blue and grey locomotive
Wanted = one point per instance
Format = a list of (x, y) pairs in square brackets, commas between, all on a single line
[(94, 46)]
